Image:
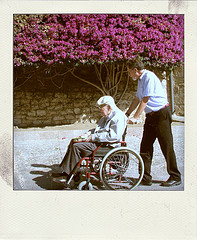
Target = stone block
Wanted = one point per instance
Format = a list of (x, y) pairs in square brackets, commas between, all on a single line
[(38, 95), (86, 110), (41, 112), (53, 101), (19, 95), (75, 95), (57, 122), (27, 122), (77, 111), (59, 107), (68, 105), (24, 125), (37, 122), (48, 95), (31, 114), (62, 113), (25, 101), (19, 116), (17, 121), (69, 111), (47, 122), (70, 117), (29, 97), (43, 106), (58, 118), (30, 119), (53, 113), (58, 95), (16, 102)]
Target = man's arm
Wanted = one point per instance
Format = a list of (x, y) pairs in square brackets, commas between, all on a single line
[(89, 138), (139, 111), (133, 106), (112, 131)]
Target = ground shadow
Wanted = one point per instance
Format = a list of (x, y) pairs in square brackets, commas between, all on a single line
[(45, 179)]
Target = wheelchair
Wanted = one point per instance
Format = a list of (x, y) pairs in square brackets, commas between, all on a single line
[(119, 168)]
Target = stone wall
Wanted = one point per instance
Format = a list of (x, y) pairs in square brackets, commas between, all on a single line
[(48, 108), (178, 88), (38, 105), (179, 91)]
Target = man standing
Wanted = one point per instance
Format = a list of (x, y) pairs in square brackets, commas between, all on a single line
[(152, 98)]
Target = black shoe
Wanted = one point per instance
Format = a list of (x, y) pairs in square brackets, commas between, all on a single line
[(59, 174), (146, 183), (170, 182), (77, 177), (62, 179)]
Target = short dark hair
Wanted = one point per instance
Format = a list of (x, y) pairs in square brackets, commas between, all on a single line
[(135, 63)]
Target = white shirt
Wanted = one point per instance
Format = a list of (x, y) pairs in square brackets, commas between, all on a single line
[(110, 129), (149, 85)]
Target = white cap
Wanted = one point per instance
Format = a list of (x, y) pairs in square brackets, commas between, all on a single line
[(108, 100)]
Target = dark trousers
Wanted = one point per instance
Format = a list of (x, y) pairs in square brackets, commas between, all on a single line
[(158, 125), (74, 153)]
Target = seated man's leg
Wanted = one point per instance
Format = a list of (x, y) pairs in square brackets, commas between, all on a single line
[(74, 153)]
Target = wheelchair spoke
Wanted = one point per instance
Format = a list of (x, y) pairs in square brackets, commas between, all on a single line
[(122, 170)]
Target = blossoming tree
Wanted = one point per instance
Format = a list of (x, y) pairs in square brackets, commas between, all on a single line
[(104, 41)]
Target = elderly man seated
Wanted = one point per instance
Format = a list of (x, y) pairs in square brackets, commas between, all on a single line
[(110, 129)]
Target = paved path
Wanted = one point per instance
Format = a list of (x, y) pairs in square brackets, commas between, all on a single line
[(38, 151)]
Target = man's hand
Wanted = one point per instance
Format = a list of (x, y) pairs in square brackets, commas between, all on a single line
[(131, 120), (89, 138)]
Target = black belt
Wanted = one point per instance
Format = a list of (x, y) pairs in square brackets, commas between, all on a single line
[(151, 113)]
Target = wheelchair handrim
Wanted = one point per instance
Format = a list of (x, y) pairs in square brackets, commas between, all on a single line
[(122, 149)]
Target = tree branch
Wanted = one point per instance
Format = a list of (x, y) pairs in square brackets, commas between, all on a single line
[(59, 74), (100, 78), (124, 89), (84, 80), (55, 83), (27, 79)]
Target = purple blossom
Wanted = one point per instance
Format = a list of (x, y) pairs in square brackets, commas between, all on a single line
[(99, 38)]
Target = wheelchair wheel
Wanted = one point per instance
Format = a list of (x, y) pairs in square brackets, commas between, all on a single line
[(121, 169), (85, 186)]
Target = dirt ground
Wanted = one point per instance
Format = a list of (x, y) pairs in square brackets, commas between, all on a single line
[(38, 151)]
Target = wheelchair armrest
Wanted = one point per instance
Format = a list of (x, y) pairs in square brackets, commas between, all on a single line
[(104, 144)]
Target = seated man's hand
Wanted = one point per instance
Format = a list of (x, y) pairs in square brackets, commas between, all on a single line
[(89, 139), (131, 120)]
